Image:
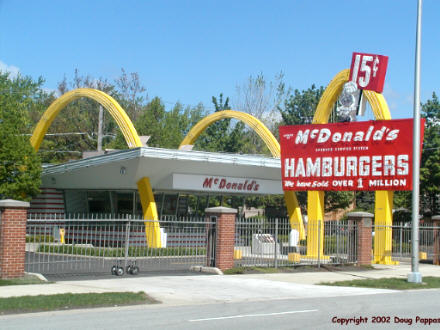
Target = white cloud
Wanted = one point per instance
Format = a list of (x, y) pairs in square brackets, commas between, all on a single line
[(13, 70)]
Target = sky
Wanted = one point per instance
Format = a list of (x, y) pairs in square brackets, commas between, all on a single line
[(189, 51)]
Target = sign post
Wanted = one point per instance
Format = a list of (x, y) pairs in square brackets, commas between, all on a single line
[(415, 276)]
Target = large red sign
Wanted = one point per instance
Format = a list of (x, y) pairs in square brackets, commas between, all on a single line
[(368, 71), (370, 155)]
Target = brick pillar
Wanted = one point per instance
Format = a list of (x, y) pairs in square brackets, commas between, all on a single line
[(436, 224), (13, 216), (225, 235), (363, 222)]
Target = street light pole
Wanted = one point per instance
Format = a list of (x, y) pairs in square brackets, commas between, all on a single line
[(100, 125), (415, 276)]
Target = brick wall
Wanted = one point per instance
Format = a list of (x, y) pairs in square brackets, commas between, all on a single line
[(225, 236), (364, 242), (12, 238), (363, 222)]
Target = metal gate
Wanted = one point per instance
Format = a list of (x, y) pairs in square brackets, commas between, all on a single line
[(211, 242), (93, 245), (272, 242)]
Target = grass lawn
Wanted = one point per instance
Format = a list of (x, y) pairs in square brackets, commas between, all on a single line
[(65, 301), (250, 270), (294, 269), (27, 279), (390, 283)]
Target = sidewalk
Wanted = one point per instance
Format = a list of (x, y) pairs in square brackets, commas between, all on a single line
[(178, 290), (380, 271)]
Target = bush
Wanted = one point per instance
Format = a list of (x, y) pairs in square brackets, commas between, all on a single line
[(120, 252), (39, 239)]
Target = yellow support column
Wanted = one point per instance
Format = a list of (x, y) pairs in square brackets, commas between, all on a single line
[(315, 214), (294, 212), (152, 227), (383, 239)]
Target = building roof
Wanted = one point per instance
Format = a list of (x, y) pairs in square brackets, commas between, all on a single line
[(164, 167)]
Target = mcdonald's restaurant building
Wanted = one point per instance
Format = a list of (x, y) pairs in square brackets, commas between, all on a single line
[(184, 182)]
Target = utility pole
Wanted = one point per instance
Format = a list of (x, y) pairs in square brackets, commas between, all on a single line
[(415, 276), (100, 125)]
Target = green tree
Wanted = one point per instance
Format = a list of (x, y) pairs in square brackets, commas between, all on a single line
[(165, 128), (20, 166), (430, 162), (299, 108), (225, 135)]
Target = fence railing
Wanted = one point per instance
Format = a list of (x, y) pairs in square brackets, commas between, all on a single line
[(273, 242), (401, 245), (97, 243)]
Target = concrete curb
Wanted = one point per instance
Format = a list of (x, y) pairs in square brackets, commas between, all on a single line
[(203, 269), (40, 276)]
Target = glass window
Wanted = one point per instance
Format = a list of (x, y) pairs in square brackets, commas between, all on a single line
[(182, 208), (99, 202), (170, 204), (124, 202)]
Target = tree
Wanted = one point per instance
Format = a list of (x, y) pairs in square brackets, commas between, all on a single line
[(20, 166), (166, 129), (130, 93), (299, 107), (430, 162), (261, 99), (224, 135)]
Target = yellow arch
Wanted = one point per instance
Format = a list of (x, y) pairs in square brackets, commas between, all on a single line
[(383, 199), (263, 132), (131, 136), (271, 142), (105, 100)]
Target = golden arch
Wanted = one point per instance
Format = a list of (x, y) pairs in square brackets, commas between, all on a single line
[(105, 100), (383, 199), (271, 142), (131, 136)]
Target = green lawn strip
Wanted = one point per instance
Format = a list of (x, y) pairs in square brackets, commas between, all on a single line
[(248, 270), (71, 301), (429, 282), (27, 279), (254, 270), (118, 252), (283, 269)]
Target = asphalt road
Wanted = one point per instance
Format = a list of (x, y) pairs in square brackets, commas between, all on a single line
[(391, 310)]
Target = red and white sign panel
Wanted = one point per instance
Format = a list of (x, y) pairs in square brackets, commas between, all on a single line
[(368, 71), (224, 184), (370, 155)]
